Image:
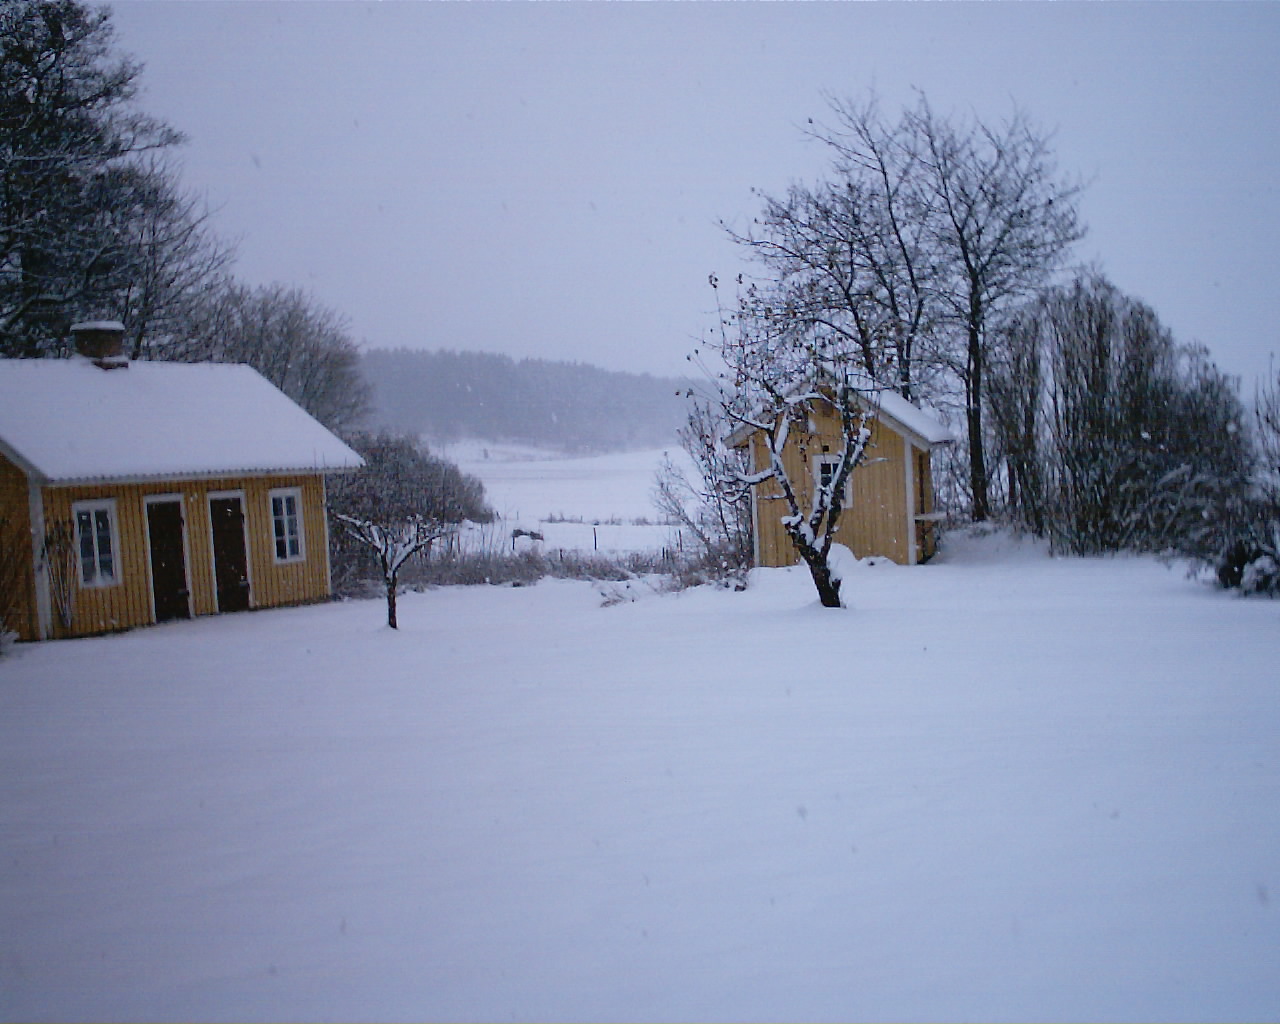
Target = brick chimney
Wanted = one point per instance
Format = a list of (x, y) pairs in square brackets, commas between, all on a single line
[(101, 341)]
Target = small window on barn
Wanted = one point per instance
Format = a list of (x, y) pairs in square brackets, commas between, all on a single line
[(825, 468), (286, 524), (97, 542)]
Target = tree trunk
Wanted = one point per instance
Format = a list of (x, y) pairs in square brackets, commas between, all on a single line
[(820, 569), (973, 418), (391, 601), (828, 586)]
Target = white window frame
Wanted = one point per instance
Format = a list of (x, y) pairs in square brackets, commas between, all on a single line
[(92, 508), (827, 459), (299, 537)]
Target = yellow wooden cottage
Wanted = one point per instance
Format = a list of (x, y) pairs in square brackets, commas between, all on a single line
[(889, 509), (134, 493)]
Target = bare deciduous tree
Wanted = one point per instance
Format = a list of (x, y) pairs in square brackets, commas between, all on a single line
[(715, 507), (398, 505), (926, 233), (394, 543), (299, 345), (780, 375), (1004, 222), (175, 262), (1266, 411), (1115, 437), (852, 255)]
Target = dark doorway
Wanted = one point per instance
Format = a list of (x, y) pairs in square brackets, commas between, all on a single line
[(168, 561), (230, 563)]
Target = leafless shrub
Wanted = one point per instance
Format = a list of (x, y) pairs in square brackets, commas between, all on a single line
[(60, 561)]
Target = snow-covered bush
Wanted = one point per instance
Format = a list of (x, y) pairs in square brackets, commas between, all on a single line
[(1245, 550), (1114, 437), (1261, 576), (1251, 562)]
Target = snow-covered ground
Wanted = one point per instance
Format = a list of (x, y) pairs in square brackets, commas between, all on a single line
[(1000, 786)]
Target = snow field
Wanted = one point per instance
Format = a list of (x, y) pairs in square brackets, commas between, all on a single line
[(1001, 786), (582, 504)]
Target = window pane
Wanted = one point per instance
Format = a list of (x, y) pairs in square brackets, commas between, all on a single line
[(88, 564), (295, 545), (106, 565), (286, 528)]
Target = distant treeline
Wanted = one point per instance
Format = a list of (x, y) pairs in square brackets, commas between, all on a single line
[(445, 396)]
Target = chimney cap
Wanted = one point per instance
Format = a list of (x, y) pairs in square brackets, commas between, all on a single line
[(97, 325)]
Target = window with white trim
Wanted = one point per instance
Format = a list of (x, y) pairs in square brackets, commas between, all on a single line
[(286, 524), (97, 542), (824, 471)]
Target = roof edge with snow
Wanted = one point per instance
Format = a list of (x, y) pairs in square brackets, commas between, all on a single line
[(900, 415), (66, 421)]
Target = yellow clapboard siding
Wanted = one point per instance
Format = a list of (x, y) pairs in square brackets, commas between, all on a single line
[(128, 603), (15, 520), (119, 605)]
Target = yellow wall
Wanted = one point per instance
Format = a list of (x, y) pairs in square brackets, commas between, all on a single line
[(15, 519), (873, 523), (128, 603)]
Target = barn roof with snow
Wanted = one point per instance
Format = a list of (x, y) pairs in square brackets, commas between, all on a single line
[(912, 418), (897, 412), (68, 420)]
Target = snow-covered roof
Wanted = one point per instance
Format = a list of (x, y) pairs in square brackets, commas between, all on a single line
[(67, 420), (913, 418), (899, 413)]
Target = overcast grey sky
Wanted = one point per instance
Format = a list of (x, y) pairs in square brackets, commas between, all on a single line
[(546, 179)]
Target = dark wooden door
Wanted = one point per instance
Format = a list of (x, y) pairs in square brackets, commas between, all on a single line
[(230, 563), (168, 561)]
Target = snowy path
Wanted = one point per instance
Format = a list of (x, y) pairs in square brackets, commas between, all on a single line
[(1002, 787)]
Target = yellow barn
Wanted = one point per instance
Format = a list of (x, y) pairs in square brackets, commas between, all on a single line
[(889, 510), (135, 493)]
